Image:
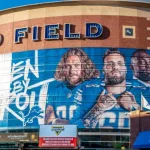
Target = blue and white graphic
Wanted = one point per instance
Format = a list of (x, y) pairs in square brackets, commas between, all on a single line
[(90, 87)]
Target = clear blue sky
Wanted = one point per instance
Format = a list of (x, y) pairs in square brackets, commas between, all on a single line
[(5, 4)]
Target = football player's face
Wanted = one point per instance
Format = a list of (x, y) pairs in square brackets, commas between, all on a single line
[(143, 67), (114, 69), (73, 70)]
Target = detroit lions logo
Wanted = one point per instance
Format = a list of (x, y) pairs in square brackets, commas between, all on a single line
[(34, 112)]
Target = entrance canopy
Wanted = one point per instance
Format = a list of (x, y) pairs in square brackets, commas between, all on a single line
[(142, 140)]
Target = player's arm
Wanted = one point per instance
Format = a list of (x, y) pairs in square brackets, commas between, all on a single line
[(104, 102), (127, 101), (50, 107), (49, 115)]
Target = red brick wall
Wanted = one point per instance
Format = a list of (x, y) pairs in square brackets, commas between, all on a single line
[(112, 35)]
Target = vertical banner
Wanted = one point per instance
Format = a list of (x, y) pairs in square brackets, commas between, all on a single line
[(62, 136), (5, 81)]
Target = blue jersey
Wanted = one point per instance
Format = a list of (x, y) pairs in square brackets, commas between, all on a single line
[(145, 98), (72, 103), (116, 114)]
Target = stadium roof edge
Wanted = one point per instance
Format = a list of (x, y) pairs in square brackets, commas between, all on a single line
[(5, 7)]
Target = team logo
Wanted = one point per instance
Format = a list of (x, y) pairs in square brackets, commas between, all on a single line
[(34, 112), (57, 129)]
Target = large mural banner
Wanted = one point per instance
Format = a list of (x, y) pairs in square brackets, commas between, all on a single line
[(89, 87)]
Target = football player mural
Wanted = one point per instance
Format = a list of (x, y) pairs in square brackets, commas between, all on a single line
[(140, 64), (90, 87), (78, 76), (117, 96)]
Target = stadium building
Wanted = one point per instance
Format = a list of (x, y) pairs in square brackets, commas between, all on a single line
[(64, 63)]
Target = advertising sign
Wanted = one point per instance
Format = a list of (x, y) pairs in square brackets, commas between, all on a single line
[(51, 32), (88, 87), (62, 136), (18, 137)]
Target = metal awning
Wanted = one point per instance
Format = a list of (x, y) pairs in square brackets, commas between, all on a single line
[(142, 140)]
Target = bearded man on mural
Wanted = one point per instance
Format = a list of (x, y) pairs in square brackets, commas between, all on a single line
[(140, 64), (78, 83), (118, 96)]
